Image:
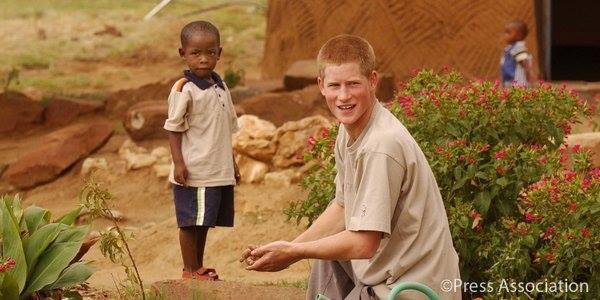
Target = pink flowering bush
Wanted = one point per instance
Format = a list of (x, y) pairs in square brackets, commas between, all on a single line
[(556, 234), (485, 145)]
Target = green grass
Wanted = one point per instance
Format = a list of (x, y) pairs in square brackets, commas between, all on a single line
[(57, 63)]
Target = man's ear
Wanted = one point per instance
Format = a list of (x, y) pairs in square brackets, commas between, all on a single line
[(321, 85), (373, 80), (181, 52)]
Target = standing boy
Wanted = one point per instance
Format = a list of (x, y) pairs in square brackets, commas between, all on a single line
[(387, 223), (515, 63), (200, 124)]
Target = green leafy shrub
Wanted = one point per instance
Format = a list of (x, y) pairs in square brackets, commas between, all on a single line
[(39, 253), (484, 143), (555, 237), (233, 77)]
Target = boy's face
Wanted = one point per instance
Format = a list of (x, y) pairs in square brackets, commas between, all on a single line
[(511, 34), (201, 53), (350, 95)]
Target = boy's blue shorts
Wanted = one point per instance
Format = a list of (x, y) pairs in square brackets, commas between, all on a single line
[(203, 206)]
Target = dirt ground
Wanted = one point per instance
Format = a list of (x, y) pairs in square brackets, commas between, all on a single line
[(146, 203)]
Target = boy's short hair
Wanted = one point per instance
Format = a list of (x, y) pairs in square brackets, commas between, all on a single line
[(521, 27), (197, 27), (346, 48)]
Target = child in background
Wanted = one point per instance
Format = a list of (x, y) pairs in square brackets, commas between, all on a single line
[(515, 63), (200, 123)]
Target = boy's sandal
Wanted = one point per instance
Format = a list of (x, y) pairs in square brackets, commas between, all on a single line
[(207, 274)]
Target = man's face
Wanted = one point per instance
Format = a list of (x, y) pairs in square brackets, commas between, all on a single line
[(201, 53), (350, 95)]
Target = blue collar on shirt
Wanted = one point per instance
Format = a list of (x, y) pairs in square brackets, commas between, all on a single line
[(201, 83)]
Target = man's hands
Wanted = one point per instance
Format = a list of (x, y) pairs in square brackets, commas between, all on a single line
[(272, 257), (181, 174)]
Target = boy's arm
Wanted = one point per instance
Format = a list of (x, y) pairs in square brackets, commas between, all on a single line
[(180, 173), (236, 171), (527, 68)]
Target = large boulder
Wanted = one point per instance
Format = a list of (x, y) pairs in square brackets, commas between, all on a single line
[(279, 108), (300, 74), (136, 157), (119, 102), (59, 150), (251, 170), (254, 138), (62, 111), (588, 141), (145, 120), (291, 140), (18, 112)]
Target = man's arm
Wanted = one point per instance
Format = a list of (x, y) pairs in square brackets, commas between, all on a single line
[(344, 245), (330, 222), (180, 172), (527, 68)]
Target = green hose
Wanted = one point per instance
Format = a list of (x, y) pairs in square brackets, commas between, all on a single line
[(413, 286)]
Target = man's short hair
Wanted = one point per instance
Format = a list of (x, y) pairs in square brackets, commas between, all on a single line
[(198, 27), (521, 27), (347, 48)]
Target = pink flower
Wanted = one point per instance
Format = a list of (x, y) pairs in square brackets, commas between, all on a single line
[(500, 154), (529, 217), (543, 160), (550, 257), (585, 184), (7, 265), (567, 129), (500, 170), (576, 148), (595, 173), (324, 132), (549, 232), (311, 141), (573, 207), (569, 175), (484, 148), (585, 232)]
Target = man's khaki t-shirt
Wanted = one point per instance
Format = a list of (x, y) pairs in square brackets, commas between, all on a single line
[(385, 184), (207, 119)]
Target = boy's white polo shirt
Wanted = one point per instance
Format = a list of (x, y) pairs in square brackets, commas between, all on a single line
[(206, 118)]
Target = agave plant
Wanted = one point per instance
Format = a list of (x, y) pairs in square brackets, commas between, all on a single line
[(40, 256)]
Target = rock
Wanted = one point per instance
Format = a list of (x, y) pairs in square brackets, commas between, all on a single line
[(135, 156), (18, 112), (290, 140), (300, 74), (62, 111), (33, 93), (162, 170), (119, 102), (90, 164), (280, 178), (255, 127), (588, 141), (252, 171), (129, 145), (162, 155), (60, 150), (146, 119), (279, 108), (253, 88), (254, 138), (239, 110)]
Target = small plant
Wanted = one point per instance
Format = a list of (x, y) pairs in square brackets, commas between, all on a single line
[(39, 258), (233, 77), (113, 242)]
